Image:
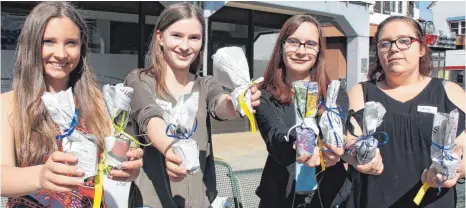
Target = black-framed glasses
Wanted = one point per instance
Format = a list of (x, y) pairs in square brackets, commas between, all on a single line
[(403, 43), (293, 44)]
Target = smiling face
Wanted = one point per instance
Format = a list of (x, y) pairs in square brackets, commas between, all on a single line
[(301, 48), (401, 57), (181, 43), (61, 48)]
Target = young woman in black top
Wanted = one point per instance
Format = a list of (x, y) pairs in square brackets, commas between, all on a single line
[(401, 83), (298, 55)]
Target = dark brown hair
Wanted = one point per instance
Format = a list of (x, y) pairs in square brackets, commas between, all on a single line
[(34, 130), (169, 16), (425, 65), (274, 77)]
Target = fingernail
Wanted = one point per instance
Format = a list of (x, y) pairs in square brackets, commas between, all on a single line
[(79, 171), (124, 166), (425, 170), (73, 157)]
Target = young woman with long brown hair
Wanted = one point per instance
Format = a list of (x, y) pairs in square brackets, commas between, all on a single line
[(52, 56), (176, 57)]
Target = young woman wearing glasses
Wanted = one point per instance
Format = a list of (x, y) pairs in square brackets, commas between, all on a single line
[(401, 82), (299, 54)]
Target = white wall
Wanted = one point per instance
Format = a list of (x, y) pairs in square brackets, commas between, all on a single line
[(262, 53), (445, 9), (455, 58)]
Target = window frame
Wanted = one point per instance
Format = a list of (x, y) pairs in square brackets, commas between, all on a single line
[(461, 26), (395, 7)]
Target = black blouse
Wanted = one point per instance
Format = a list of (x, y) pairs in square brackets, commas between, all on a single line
[(407, 152), (274, 120)]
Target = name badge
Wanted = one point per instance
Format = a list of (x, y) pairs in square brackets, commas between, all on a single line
[(427, 109)]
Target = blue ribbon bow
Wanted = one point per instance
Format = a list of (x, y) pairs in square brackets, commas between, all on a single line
[(332, 110), (180, 132), (445, 156), (368, 137), (74, 123)]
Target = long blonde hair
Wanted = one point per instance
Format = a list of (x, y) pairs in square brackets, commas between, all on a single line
[(34, 130), (170, 15)]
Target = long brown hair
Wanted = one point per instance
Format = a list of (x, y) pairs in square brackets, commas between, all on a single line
[(34, 130), (425, 65), (274, 76), (169, 16)]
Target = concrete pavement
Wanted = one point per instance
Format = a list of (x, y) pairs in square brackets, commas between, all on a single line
[(242, 151)]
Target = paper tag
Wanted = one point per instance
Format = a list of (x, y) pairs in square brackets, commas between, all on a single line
[(427, 109), (86, 151)]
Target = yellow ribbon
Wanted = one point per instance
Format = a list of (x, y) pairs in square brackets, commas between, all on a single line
[(120, 129), (103, 163), (242, 104), (322, 162), (252, 120), (98, 186), (420, 194)]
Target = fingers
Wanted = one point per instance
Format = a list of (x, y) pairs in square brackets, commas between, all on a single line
[(314, 160), (120, 175), (303, 158), (253, 89), (374, 167), (255, 96), (175, 170), (228, 98), (431, 177), (132, 165), (56, 188), (338, 151), (135, 153), (377, 165), (379, 170), (64, 169), (435, 179), (62, 180), (449, 183), (62, 157), (424, 176), (171, 156), (330, 158), (255, 103)]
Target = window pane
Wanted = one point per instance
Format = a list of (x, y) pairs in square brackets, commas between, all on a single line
[(454, 25), (400, 7), (454, 30), (393, 7), (386, 7), (122, 42), (462, 24), (11, 27), (463, 31), (377, 7)]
